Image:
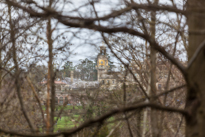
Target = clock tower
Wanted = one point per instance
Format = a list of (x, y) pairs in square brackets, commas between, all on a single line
[(102, 63)]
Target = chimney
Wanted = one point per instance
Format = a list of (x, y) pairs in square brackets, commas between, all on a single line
[(71, 77)]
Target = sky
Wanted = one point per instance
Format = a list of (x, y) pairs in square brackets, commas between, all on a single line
[(83, 43), (86, 43)]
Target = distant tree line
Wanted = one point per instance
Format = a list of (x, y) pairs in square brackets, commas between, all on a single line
[(84, 70)]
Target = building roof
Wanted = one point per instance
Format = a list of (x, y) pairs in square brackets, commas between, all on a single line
[(78, 83), (56, 82)]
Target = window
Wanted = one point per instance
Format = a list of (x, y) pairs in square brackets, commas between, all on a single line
[(102, 81), (61, 101), (108, 82), (159, 86), (113, 81), (56, 100), (62, 88)]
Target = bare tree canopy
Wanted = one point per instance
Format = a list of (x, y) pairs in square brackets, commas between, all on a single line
[(142, 74)]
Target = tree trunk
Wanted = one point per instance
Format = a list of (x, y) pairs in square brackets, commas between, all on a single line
[(50, 82), (153, 53), (195, 105), (145, 118)]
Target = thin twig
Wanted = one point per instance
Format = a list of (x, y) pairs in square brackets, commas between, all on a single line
[(196, 54)]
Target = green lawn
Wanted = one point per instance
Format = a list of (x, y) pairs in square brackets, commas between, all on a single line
[(68, 107), (70, 122), (67, 122), (74, 119)]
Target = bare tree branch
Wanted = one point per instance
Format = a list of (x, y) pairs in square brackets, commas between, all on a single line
[(103, 118)]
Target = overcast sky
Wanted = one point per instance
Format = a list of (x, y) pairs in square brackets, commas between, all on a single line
[(85, 43)]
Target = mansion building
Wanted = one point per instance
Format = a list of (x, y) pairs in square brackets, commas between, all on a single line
[(66, 88), (70, 88)]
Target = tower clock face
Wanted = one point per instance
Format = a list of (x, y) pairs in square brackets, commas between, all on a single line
[(101, 62)]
